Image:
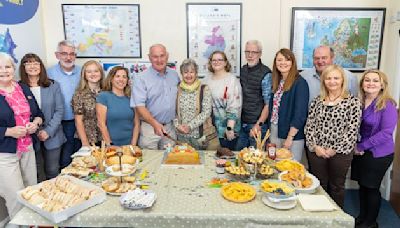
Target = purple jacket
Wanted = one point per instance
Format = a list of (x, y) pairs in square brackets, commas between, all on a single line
[(377, 130)]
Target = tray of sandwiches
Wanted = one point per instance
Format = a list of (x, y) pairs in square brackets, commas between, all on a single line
[(61, 197)]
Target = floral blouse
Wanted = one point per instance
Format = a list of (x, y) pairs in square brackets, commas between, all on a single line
[(22, 112), (277, 102), (84, 103), (335, 127)]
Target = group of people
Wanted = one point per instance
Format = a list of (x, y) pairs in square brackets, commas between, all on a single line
[(317, 110)]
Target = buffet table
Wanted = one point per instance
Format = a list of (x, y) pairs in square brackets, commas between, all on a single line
[(183, 200)]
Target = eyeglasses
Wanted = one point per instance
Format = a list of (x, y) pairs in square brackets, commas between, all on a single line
[(32, 64), (65, 54), (217, 60), (251, 52)]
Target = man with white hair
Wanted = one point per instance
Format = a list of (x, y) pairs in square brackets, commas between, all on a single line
[(67, 74), (154, 94), (256, 82)]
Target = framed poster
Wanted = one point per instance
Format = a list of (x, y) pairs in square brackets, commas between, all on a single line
[(103, 30), (212, 27), (355, 34)]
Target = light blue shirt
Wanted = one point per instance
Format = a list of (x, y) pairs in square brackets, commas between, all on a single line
[(68, 84), (157, 93), (314, 82), (120, 117), (266, 87)]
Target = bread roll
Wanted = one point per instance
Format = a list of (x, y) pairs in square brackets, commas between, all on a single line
[(124, 160)]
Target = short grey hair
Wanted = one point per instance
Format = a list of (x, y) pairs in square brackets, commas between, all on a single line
[(188, 64), (332, 52), (65, 43), (255, 42), (6, 57)]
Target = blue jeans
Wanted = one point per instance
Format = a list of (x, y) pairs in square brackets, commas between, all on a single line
[(244, 139), (71, 145), (228, 144)]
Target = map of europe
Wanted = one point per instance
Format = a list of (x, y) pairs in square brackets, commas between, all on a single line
[(348, 37)]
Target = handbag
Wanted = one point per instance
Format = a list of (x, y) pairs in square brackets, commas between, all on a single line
[(207, 130)]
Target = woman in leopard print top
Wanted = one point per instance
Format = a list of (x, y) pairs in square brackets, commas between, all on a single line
[(331, 132)]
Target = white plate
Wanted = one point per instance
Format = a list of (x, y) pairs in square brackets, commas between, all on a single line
[(138, 194), (282, 205), (315, 184), (111, 172)]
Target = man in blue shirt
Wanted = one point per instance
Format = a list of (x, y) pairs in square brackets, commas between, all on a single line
[(154, 94), (67, 74), (256, 82), (324, 56)]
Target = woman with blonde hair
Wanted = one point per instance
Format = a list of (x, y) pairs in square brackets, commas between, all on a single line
[(375, 149), (331, 132), (84, 103), (118, 122), (288, 105)]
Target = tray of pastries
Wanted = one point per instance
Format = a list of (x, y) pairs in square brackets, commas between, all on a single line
[(304, 182), (238, 192)]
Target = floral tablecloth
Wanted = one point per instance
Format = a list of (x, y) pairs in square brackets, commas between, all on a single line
[(184, 200)]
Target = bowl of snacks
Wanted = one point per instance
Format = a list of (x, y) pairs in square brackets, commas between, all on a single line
[(277, 189), (265, 171)]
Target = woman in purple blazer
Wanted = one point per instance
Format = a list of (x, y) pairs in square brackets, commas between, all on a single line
[(376, 146)]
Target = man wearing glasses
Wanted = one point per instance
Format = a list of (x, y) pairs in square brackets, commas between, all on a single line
[(256, 81), (67, 74)]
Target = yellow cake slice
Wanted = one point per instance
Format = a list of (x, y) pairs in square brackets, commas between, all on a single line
[(183, 155)]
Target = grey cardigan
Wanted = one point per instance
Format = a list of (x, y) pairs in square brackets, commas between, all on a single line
[(52, 106)]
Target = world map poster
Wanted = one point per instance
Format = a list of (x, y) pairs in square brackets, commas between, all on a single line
[(214, 27), (354, 35), (108, 31)]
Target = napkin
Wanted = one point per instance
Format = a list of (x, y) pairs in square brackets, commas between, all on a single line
[(315, 203)]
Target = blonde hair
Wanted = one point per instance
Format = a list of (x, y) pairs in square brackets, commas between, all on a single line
[(383, 95), (83, 83), (6, 57), (107, 86), (324, 91), (292, 75)]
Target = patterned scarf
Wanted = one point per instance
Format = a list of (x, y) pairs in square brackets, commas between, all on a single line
[(190, 88)]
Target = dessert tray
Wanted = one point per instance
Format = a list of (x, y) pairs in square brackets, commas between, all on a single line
[(117, 171), (138, 199), (303, 183)]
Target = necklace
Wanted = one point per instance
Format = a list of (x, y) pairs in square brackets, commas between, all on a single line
[(331, 102)]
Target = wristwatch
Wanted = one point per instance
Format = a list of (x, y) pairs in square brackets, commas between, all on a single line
[(260, 124), (229, 128)]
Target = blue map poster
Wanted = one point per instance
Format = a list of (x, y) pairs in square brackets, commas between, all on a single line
[(14, 12), (354, 34), (103, 30)]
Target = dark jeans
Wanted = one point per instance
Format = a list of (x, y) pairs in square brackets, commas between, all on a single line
[(47, 162), (332, 173), (244, 139), (228, 144), (71, 145)]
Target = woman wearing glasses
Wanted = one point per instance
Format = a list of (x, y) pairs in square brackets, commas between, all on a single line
[(48, 95), (227, 99)]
